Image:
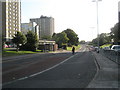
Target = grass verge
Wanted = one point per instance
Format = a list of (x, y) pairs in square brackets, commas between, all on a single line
[(76, 48), (106, 45), (7, 53)]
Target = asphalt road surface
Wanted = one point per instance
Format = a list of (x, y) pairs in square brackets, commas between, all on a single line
[(72, 71)]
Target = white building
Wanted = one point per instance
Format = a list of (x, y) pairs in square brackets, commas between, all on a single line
[(25, 27), (11, 18), (46, 25)]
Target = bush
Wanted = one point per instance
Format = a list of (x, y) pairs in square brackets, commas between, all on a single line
[(28, 47), (64, 47)]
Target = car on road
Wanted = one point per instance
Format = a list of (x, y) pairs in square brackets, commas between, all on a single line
[(116, 48)]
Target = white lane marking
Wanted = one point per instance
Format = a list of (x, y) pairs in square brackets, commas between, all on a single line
[(40, 72)]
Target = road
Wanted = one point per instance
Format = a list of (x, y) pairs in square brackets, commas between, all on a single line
[(60, 70)]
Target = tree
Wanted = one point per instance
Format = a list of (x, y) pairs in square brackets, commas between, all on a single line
[(82, 42), (115, 33), (95, 42), (18, 39), (60, 38), (32, 41), (104, 38), (3, 41), (73, 37), (53, 34)]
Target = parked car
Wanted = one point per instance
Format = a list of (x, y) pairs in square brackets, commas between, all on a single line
[(5, 46), (92, 48), (116, 48)]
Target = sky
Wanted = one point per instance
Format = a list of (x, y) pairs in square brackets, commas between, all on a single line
[(78, 15)]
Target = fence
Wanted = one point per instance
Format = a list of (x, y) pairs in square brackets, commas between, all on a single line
[(112, 55)]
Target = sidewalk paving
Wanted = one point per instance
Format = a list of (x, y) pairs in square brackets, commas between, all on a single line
[(107, 75)]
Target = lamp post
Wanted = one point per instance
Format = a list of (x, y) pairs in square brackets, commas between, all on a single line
[(97, 23)]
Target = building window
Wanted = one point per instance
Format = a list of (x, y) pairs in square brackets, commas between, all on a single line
[(9, 4), (14, 25), (13, 13), (10, 8), (10, 24), (9, 12), (10, 31), (10, 20), (13, 21), (9, 16), (13, 6), (13, 17), (13, 10), (10, 28)]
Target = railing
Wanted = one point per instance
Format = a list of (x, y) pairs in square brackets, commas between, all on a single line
[(112, 55)]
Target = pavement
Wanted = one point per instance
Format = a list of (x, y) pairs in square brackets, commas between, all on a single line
[(107, 74)]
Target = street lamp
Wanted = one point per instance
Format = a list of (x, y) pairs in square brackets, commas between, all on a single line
[(97, 23)]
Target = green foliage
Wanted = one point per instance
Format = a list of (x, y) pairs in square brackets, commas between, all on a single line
[(76, 48), (82, 42), (7, 53), (115, 33), (73, 37), (3, 41), (53, 34), (95, 41), (104, 38), (60, 38), (32, 41), (68, 37), (18, 39), (106, 45)]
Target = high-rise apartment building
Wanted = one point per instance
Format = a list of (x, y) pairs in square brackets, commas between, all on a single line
[(11, 18), (46, 25), (25, 27)]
